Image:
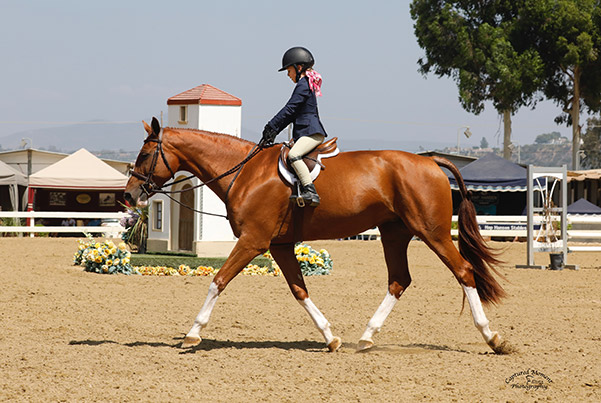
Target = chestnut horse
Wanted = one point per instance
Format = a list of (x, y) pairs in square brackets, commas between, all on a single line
[(403, 194)]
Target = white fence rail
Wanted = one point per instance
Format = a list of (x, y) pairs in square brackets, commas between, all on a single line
[(516, 226), (108, 228)]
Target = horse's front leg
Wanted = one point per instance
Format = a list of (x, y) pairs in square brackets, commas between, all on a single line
[(240, 256), (286, 259)]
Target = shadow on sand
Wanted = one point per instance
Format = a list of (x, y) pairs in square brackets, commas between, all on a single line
[(210, 344)]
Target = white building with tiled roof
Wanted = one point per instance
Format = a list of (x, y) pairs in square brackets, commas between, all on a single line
[(206, 108), (175, 228)]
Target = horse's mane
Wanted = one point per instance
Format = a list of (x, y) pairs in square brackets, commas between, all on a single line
[(225, 136)]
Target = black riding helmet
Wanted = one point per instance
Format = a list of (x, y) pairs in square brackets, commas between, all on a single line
[(297, 55)]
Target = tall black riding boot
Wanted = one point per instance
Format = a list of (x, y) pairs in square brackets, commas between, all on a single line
[(309, 194)]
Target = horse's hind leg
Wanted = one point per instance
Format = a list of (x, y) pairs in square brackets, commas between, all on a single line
[(464, 273), (286, 259), (395, 240)]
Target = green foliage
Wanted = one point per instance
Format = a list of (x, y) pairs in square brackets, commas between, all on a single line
[(172, 260), (509, 52), (567, 33), (312, 263), (548, 138), (11, 222), (591, 146), (477, 45), (136, 228), (483, 143)]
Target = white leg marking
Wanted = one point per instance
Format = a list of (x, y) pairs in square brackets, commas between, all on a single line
[(375, 323), (320, 321), (477, 312), (205, 313)]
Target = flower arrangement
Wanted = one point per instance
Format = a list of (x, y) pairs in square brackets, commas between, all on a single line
[(185, 270), (136, 228), (106, 257), (312, 262), (103, 257)]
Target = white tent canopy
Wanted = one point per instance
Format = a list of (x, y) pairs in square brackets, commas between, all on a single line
[(13, 178), (10, 176), (80, 170)]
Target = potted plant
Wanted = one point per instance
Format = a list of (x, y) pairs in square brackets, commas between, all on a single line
[(551, 226), (136, 228)]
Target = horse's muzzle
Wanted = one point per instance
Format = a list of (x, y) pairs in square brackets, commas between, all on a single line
[(129, 198)]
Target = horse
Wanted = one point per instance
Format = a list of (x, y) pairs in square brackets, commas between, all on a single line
[(403, 194)]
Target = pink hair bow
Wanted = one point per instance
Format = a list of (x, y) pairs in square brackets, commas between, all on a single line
[(314, 81)]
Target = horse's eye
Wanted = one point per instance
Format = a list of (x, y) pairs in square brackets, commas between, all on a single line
[(141, 158)]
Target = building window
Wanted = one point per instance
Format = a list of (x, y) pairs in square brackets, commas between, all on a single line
[(183, 114), (158, 215)]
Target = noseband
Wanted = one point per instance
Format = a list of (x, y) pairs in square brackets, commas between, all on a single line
[(149, 186)]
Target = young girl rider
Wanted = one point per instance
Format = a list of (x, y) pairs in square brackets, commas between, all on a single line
[(301, 110)]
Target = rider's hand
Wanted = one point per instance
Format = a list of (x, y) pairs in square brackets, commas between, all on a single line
[(269, 135)]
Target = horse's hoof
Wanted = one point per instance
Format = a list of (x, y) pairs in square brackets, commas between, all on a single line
[(365, 344), (191, 341), (500, 346), (334, 345)]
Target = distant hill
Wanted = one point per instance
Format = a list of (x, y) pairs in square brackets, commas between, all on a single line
[(128, 137), (544, 155), (91, 136)]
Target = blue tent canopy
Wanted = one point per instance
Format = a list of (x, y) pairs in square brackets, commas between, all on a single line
[(492, 173), (583, 206)]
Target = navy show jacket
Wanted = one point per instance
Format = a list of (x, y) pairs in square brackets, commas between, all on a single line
[(301, 110)]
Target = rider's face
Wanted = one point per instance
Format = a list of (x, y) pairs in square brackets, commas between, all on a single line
[(292, 73)]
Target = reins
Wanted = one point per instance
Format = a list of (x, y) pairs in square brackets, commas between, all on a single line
[(149, 187)]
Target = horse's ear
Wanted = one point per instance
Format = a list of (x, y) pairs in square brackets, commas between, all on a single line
[(156, 126), (147, 128)]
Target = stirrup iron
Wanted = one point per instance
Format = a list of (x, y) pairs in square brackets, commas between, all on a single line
[(297, 198)]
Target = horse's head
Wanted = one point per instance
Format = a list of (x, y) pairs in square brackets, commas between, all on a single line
[(152, 169)]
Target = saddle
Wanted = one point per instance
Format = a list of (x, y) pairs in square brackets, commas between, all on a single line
[(313, 159)]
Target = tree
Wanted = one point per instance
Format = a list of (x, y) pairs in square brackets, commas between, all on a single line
[(477, 45), (591, 145), (567, 35), (483, 143), (547, 138)]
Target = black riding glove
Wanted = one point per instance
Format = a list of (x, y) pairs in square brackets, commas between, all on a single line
[(269, 135)]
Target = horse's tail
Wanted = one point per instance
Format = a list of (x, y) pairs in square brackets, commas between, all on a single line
[(471, 245)]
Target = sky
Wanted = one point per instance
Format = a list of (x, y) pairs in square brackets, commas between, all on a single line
[(118, 61)]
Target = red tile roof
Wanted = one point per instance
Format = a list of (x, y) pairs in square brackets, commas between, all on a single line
[(204, 94)]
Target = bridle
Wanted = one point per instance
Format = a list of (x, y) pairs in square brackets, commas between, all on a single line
[(149, 187)]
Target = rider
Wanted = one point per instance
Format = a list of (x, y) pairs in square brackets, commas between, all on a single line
[(301, 110)]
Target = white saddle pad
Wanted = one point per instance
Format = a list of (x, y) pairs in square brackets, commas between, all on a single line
[(290, 177)]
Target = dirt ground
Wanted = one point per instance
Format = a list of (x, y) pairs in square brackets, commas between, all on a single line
[(68, 335)]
